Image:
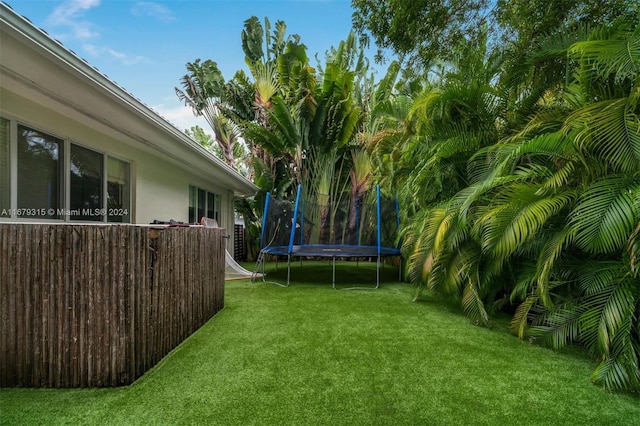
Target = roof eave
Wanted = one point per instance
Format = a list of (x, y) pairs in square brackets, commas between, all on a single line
[(21, 26)]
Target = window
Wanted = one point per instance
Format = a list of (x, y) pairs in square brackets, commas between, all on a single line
[(211, 211), (86, 179), (5, 176), (118, 194), (58, 179), (193, 202), (216, 214), (39, 174), (203, 203)]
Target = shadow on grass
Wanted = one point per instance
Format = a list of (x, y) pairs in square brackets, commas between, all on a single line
[(347, 273)]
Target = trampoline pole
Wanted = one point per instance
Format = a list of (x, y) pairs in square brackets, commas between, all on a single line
[(378, 272), (333, 279), (264, 219), (288, 269)]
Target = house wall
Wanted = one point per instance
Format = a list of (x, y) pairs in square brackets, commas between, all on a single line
[(160, 186)]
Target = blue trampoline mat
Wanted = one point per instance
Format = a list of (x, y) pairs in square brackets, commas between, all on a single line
[(329, 250)]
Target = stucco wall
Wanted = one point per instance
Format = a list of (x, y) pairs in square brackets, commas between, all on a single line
[(160, 188)]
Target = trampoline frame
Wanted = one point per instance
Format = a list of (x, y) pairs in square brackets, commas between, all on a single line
[(332, 251)]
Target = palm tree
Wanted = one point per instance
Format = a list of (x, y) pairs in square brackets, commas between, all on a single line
[(360, 177), (559, 198), (599, 231), (388, 130), (452, 120), (204, 91)]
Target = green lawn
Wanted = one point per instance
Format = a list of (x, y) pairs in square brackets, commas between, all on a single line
[(311, 355)]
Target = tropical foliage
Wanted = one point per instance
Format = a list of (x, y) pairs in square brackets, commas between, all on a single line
[(518, 170), (301, 123), (425, 31), (525, 188)]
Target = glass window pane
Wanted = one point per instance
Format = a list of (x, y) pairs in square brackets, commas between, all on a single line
[(86, 184), (39, 174), (118, 191), (210, 205), (193, 194), (217, 209), (5, 185), (202, 202)]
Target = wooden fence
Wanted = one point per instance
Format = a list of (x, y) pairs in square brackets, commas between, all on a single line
[(239, 249), (98, 305)]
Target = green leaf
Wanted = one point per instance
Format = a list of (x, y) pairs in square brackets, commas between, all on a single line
[(605, 215)]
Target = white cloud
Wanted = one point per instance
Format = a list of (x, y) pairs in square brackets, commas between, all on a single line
[(70, 13), (124, 58), (180, 116), (154, 10), (95, 51)]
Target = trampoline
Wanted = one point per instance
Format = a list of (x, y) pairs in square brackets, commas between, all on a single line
[(366, 227)]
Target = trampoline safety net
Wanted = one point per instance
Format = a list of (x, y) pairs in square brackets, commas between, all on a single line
[(364, 226)]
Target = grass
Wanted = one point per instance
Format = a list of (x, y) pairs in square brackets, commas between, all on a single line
[(310, 355)]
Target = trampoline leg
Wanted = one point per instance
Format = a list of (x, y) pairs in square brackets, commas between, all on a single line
[(378, 262), (259, 265), (288, 268), (333, 279)]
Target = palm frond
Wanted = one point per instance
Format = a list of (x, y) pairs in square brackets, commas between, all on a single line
[(520, 320), (266, 83), (633, 250), (613, 374), (609, 129), (605, 215), (520, 214), (549, 255), (604, 312), (611, 332), (617, 55), (472, 304), (559, 327)]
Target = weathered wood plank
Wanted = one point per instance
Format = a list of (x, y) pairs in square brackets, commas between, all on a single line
[(90, 327), (20, 304), (4, 306), (12, 313), (36, 306)]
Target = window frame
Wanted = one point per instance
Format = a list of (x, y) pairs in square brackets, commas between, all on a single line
[(64, 186), (194, 207), (129, 206), (6, 178), (103, 174)]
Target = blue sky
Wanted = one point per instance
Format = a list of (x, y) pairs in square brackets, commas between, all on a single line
[(144, 45)]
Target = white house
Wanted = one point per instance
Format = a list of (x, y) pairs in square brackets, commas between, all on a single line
[(76, 147)]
